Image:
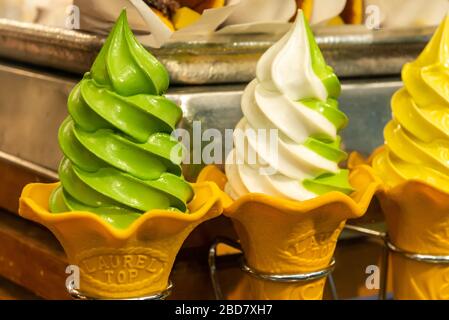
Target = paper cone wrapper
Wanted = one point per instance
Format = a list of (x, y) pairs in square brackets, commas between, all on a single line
[(121, 263), (288, 237), (417, 217)]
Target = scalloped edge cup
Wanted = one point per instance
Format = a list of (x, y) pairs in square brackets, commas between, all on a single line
[(281, 236), (417, 216), (121, 263)]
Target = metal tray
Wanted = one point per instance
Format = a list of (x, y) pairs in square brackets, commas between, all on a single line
[(352, 51)]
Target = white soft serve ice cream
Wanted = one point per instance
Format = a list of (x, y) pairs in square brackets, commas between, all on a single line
[(294, 92)]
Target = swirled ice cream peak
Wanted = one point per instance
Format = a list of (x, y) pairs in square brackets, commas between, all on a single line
[(417, 138), (295, 93), (118, 161)]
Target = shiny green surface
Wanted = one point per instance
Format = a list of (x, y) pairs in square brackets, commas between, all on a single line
[(326, 147), (119, 158), (320, 67), (329, 182), (329, 109)]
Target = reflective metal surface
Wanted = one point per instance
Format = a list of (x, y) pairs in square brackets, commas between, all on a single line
[(212, 258), (33, 105), (427, 258), (34, 168), (299, 277), (381, 237), (389, 247), (78, 295), (352, 51), (286, 278)]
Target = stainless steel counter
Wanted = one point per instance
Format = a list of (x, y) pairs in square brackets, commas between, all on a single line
[(352, 51), (33, 105)]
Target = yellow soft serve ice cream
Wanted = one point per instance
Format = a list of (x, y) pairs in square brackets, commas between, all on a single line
[(417, 139)]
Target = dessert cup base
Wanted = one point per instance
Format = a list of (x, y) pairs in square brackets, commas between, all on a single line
[(78, 295), (300, 286), (288, 238), (117, 263), (417, 218)]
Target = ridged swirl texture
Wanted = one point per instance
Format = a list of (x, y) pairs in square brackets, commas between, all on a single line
[(295, 92), (119, 157), (417, 138)]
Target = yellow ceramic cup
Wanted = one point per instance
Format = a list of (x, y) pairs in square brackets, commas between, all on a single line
[(289, 237), (417, 217), (115, 263)]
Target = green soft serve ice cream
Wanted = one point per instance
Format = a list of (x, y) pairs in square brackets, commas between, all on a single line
[(119, 157), (295, 93)]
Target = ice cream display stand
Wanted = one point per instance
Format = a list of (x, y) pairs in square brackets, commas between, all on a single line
[(40, 65)]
